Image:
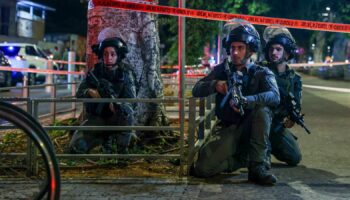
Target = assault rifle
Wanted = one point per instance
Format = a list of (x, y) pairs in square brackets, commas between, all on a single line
[(104, 88), (235, 83), (292, 109)]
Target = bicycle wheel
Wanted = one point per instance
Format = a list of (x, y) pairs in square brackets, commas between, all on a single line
[(36, 132)]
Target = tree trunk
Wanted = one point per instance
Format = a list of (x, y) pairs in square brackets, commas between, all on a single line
[(319, 46), (140, 32)]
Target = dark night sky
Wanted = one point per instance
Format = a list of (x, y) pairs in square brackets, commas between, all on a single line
[(70, 16)]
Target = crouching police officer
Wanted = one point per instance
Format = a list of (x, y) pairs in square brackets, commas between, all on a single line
[(110, 78), (280, 48), (239, 140)]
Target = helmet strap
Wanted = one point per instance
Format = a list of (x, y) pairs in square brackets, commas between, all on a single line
[(106, 66), (283, 59)]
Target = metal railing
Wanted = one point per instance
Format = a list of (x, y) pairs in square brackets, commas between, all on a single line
[(200, 123), (200, 126), (51, 88), (33, 105)]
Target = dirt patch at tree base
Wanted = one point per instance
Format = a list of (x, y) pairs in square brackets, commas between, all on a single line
[(16, 142)]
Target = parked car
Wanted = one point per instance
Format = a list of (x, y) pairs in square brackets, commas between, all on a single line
[(23, 55), (5, 76)]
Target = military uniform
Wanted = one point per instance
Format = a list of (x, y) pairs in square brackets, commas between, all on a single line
[(284, 144), (122, 83), (237, 139)]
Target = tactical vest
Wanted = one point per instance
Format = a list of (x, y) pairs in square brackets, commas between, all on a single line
[(286, 82), (249, 87), (117, 79)]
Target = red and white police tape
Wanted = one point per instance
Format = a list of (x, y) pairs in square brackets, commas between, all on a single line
[(47, 71), (39, 71), (220, 16)]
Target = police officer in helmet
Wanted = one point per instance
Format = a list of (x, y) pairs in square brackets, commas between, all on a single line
[(281, 48), (115, 80), (238, 140)]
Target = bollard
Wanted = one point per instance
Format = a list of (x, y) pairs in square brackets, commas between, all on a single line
[(25, 90), (71, 68), (49, 77)]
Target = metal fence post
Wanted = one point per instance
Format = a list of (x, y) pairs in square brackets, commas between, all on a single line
[(208, 108), (74, 104), (30, 145), (35, 166), (53, 104), (201, 114), (212, 100), (182, 134), (191, 131), (182, 63)]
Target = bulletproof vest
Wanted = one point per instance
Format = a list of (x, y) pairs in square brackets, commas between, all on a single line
[(116, 78), (246, 79), (225, 114), (285, 82)]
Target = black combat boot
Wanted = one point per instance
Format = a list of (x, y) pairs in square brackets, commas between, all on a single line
[(259, 174), (191, 171), (267, 162)]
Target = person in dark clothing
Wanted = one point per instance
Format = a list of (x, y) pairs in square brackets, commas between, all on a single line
[(116, 80), (280, 48), (239, 141)]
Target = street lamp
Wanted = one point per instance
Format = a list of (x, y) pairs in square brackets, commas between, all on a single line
[(327, 15)]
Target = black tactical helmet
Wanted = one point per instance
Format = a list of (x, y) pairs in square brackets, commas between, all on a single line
[(277, 34), (115, 42), (241, 31)]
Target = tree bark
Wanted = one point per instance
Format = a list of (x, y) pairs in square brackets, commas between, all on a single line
[(140, 32), (319, 46)]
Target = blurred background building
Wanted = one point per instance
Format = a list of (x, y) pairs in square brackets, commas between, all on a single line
[(22, 21)]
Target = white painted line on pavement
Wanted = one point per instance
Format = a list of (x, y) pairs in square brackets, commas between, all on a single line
[(306, 192), (328, 88)]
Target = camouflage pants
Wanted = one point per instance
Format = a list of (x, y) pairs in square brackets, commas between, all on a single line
[(285, 148), (84, 141), (231, 147)]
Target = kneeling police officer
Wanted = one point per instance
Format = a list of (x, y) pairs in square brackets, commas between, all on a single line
[(110, 78)]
